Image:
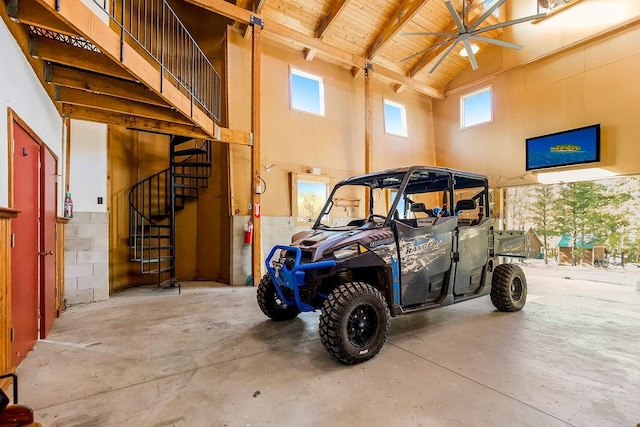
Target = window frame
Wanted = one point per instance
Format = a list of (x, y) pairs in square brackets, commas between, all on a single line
[(403, 117), (469, 95), (320, 80), (310, 178)]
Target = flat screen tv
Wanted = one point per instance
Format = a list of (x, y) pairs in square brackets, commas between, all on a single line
[(571, 147)]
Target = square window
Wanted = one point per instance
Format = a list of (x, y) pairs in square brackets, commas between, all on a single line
[(476, 108), (395, 119), (307, 92), (309, 194)]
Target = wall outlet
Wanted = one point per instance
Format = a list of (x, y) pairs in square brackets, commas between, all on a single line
[(100, 200)]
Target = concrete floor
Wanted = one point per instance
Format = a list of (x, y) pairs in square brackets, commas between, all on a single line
[(209, 357)]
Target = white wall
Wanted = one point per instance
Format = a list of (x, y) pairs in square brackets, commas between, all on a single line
[(21, 91), (88, 166)]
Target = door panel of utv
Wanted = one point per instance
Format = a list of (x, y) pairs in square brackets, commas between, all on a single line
[(424, 259), (473, 247)]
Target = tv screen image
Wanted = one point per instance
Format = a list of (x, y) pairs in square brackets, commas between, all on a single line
[(572, 147)]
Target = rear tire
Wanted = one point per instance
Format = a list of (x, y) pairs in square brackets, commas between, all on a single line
[(354, 322), (271, 304), (508, 288)]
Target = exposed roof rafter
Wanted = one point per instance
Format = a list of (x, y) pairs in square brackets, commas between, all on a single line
[(337, 7), (405, 13)]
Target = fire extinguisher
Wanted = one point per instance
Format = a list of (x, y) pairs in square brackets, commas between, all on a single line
[(248, 232)]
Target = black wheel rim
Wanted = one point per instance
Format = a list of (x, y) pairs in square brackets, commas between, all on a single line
[(362, 325), (516, 289)]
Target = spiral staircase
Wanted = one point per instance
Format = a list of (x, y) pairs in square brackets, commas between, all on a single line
[(155, 201)]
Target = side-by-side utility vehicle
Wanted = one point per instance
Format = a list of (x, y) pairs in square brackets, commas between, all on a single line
[(390, 243)]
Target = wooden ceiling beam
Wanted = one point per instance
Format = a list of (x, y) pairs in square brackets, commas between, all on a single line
[(66, 54), (224, 8), (259, 5), (309, 54), (130, 121), (32, 13), (83, 98), (296, 38), (77, 79), (424, 60), (405, 13), (330, 19)]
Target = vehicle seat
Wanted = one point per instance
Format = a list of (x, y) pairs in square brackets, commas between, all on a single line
[(467, 205), (421, 207)]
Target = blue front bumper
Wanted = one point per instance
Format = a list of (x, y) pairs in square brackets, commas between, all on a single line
[(283, 277)]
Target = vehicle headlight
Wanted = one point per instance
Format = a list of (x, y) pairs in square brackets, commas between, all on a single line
[(346, 252)]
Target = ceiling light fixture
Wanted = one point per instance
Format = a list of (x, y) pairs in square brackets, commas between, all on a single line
[(474, 48)]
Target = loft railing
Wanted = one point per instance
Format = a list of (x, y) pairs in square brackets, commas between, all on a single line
[(156, 28)]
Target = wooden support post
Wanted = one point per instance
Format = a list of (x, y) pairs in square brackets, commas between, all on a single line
[(368, 129), (256, 255)]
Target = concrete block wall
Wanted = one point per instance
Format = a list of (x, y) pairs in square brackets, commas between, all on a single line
[(276, 230), (86, 245)]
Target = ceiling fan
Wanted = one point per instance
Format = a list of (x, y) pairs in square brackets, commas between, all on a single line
[(466, 32)]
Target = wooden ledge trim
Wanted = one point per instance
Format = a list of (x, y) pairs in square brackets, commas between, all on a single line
[(8, 213)]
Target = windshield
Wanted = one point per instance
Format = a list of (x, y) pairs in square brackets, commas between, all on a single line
[(367, 201)]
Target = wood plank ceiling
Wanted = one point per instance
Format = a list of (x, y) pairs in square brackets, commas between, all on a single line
[(374, 31)]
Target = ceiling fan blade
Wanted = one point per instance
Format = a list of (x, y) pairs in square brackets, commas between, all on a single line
[(429, 34), (497, 42), (427, 49), (444, 55), (485, 15), (470, 54), (456, 16), (508, 23)]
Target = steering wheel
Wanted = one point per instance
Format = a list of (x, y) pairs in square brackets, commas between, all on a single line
[(384, 218)]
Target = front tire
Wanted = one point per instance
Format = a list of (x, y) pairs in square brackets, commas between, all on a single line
[(271, 304), (354, 322), (508, 288)]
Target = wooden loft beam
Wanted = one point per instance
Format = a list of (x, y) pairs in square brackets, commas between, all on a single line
[(259, 5), (130, 121), (66, 54), (83, 98), (90, 114), (244, 4), (224, 8), (231, 136), (476, 10), (32, 13), (327, 21), (405, 13), (296, 38), (77, 79)]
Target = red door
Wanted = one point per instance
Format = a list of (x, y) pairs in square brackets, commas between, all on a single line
[(24, 255), (48, 243)]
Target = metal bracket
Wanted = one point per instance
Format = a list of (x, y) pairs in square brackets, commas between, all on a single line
[(254, 20), (368, 66)]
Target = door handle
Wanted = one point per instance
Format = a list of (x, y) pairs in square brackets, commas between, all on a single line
[(45, 253)]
